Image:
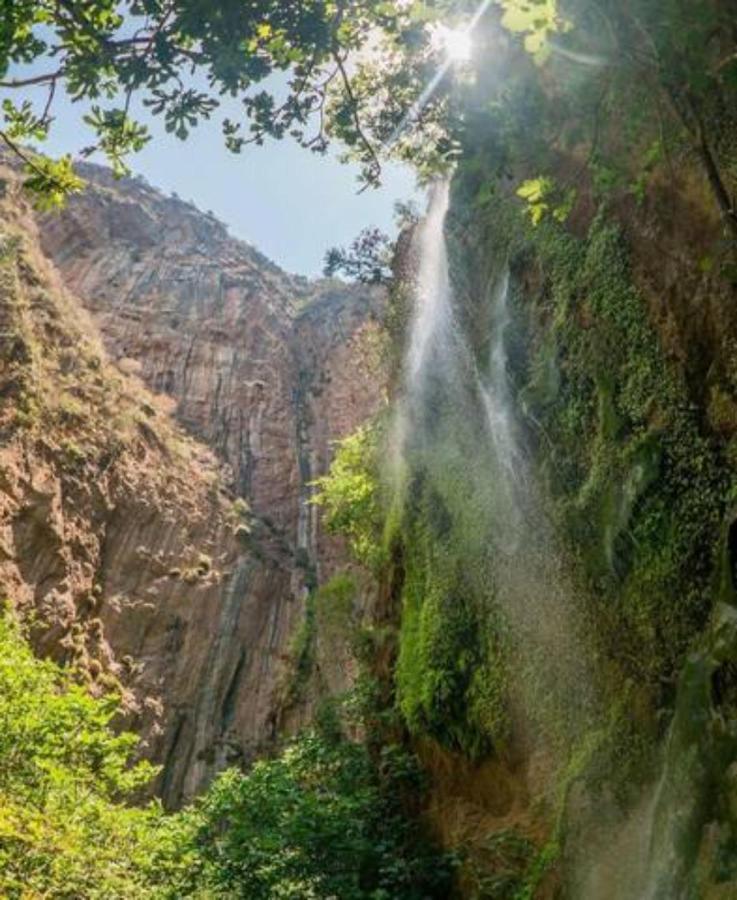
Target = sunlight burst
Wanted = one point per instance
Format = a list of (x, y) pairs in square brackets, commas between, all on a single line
[(456, 43)]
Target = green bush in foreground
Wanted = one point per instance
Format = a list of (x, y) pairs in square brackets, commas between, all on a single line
[(320, 821), (316, 822), (64, 774)]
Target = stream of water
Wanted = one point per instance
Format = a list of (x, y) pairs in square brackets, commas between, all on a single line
[(458, 412)]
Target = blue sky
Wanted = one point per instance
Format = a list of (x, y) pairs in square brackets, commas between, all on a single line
[(291, 204)]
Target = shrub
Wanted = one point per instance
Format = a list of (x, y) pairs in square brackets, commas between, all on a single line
[(350, 494), (315, 822), (65, 831)]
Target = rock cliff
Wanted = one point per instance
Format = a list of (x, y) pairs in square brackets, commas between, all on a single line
[(168, 395)]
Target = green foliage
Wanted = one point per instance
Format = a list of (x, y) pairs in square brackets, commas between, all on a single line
[(635, 488), (535, 20), (640, 80), (368, 259), (118, 135), (540, 196), (323, 819), (328, 626), (630, 460), (64, 830), (509, 870), (50, 181), (317, 821), (542, 861), (350, 495), (20, 121), (103, 53), (622, 96)]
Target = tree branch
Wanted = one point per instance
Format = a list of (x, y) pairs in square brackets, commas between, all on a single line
[(49, 101), (36, 79), (375, 166), (24, 157)]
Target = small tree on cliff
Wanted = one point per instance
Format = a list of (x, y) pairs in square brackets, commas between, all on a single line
[(368, 259)]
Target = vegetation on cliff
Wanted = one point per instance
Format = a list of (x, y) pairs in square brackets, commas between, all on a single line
[(594, 171), (322, 819), (607, 153)]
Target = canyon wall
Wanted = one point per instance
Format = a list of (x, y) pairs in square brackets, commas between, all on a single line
[(169, 395), (564, 576)]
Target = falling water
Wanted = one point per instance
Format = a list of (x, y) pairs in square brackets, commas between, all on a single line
[(433, 319), (457, 422), (538, 602), (498, 407), (457, 414), (435, 388)]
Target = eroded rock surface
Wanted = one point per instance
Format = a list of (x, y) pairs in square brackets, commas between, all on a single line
[(154, 504)]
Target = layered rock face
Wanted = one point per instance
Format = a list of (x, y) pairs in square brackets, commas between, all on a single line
[(210, 322), (172, 547)]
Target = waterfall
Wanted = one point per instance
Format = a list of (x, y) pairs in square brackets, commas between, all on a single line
[(432, 323), (457, 430), (458, 415), (434, 388), (457, 423)]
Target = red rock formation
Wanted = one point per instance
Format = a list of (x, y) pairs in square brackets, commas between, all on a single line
[(137, 558)]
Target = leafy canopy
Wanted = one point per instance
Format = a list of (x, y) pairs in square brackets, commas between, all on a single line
[(317, 821), (348, 69), (370, 75)]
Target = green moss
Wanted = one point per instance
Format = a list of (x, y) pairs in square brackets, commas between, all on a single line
[(640, 493), (441, 652), (450, 674)]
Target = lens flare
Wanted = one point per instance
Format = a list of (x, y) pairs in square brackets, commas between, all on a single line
[(458, 48), (455, 43)]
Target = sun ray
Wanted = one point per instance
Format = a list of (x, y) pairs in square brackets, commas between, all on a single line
[(458, 48)]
